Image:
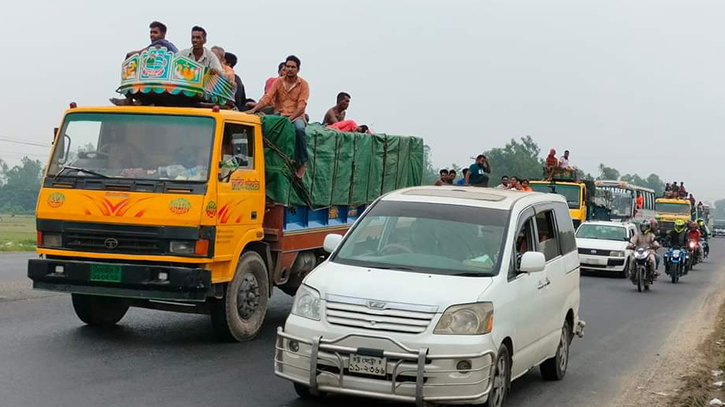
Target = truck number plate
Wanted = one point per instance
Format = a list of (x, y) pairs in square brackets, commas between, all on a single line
[(368, 365), (110, 273)]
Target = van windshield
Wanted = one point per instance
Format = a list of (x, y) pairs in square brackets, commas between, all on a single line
[(136, 146), (427, 238)]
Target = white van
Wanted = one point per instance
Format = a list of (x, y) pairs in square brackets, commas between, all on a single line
[(438, 295)]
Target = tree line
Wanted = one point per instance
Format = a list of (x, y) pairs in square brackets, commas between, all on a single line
[(19, 186)]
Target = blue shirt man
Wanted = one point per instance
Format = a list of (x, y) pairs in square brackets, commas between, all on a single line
[(462, 181)]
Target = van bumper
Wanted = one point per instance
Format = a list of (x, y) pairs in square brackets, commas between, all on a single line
[(136, 281)]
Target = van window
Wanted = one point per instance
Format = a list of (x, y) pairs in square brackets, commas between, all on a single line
[(524, 243), (548, 239), (566, 229)]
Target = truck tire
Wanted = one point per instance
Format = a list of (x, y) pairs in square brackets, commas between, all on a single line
[(99, 311), (239, 315)]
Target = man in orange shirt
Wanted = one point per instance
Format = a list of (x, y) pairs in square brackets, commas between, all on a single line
[(640, 201), (551, 164), (289, 95)]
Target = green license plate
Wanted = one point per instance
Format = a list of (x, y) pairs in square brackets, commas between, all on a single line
[(109, 273)]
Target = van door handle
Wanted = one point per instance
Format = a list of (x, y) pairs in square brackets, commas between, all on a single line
[(543, 284)]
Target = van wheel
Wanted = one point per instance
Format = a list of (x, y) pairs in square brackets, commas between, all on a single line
[(99, 311), (304, 392), (625, 272), (239, 315), (555, 368), (501, 379)]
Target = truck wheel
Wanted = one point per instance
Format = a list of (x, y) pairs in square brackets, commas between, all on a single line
[(99, 311), (555, 368), (239, 315)]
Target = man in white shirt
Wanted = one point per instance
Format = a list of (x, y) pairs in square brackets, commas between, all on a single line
[(201, 54), (564, 160)]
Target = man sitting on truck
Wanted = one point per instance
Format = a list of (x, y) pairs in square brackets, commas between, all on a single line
[(337, 113), (157, 34), (201, 54), (551, 164), (289, 95), (478, 172)]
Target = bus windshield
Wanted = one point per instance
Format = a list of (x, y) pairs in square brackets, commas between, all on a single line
[(671, 207), (570, 192), (136, 146)]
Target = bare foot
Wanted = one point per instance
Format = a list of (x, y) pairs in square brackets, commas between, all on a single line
[(301, 171)]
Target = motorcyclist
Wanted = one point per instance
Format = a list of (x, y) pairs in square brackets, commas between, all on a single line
[(645, 239), (693, 235), (704, 235)]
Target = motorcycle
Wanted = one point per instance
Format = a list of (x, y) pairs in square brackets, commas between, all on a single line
[(643, 275), (693, 251), (705, 247), (675, 259)]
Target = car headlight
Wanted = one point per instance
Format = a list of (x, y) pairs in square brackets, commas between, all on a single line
[(617, 253), (307, 303), (466, 319)]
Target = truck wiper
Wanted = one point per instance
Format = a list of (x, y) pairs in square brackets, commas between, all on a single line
[(79, 169)]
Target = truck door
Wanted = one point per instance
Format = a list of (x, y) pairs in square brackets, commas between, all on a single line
[(240, 192)]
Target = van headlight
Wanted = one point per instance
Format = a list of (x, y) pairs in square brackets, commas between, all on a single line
[(466, 319), (307, 303), (617, 253)]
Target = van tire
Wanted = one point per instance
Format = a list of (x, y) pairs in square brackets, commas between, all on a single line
[(239, 315), (99, 311), (555, 368), (502, 378), (305, 393)]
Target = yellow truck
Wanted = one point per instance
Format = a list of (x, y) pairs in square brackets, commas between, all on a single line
[(171, 208), (667, 211)]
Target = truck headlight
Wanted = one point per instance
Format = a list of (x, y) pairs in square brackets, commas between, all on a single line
[(617, 253), (307, 303), (466, 319), (182, 246), (51, 240)]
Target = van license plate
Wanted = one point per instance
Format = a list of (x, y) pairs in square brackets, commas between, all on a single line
[(368, 365), (109, 273)]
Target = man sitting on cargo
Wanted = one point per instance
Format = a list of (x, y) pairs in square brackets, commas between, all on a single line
[(337, 113), (478, 172), (201, 54), (551, 164), (289, 96), (157, 34), (240, 95)]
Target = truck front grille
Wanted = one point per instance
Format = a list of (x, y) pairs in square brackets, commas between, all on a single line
[(112, 243)]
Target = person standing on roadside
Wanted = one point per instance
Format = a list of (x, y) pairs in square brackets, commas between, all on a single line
[(478, 172), (289, 96)]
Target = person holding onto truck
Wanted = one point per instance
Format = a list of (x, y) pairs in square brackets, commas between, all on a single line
[(157, 34), (201, 54), (337, 113), (551, 164), (478, 172), (289, 95)]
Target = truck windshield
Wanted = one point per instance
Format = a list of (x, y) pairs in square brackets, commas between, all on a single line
[(670, 207), (136, 146), (427, 238), (570, 192), (601, 232)]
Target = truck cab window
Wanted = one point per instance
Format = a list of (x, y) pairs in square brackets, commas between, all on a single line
[(237, 150)]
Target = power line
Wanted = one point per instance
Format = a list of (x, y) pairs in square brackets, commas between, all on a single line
[(22, 153), (28, 143)]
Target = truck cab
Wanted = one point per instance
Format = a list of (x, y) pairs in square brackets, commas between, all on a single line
[(574, 192), (667, 211)]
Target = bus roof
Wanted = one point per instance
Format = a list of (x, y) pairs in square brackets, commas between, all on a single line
[(621, 184)]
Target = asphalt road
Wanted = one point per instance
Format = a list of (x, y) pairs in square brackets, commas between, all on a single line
[(48, 357)]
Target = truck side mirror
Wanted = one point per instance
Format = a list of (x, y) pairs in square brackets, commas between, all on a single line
[(331, 242), (532, 262)]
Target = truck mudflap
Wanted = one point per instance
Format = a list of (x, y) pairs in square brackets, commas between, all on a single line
[(417, 364), (136, 281)]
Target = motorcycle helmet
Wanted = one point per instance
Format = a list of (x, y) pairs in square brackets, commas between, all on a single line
[(653, 224), (644, 227), (701, 222), (679, 226)]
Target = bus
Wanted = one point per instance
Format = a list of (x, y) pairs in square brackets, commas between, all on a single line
[(624, 197)]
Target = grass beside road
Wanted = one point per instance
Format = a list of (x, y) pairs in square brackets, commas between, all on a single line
[(17, 233)]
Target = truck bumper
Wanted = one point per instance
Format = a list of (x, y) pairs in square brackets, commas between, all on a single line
[(136, 281)]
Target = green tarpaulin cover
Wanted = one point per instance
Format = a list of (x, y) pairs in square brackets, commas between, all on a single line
[(343, 168)]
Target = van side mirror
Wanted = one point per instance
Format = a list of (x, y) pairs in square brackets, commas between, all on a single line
[(532, 262), (331, 242)]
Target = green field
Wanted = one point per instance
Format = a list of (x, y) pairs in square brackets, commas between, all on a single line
[(17, 233)]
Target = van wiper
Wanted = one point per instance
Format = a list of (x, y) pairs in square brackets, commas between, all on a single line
[(79, 169), (401, 268), (469, 274)]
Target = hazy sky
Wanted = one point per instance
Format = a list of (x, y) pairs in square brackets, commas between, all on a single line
[(635, 84)]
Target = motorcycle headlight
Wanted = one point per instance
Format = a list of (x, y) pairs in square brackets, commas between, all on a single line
[(692, 245), (466, 319), (617, 253), (307, 303)]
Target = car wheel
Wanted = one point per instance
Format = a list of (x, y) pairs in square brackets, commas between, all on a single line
[(304, 392), (625, 272), (239, 315), (501, 379), (555, 367), (99, 311)]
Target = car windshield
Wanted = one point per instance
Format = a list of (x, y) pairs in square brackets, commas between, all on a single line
[(427, 238), (570, 192), (669, 207), (137, 146), (602, 232)]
